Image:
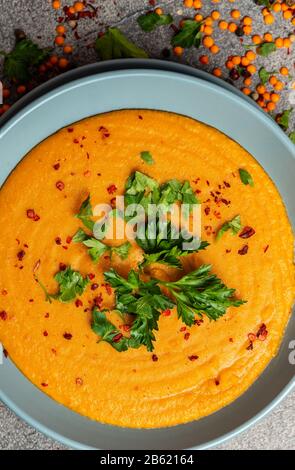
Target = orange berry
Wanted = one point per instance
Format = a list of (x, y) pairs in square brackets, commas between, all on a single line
[(188, 3), (178, 50), (286, 43), (256, 39), (293, 21), (268, 37), (268, 19), (276, 7), (247, 21), (266, 95), (208, 30), (273, 80), (251, 69), (198, 17), (270, 106), (260, 89), (21, 89), (197, 4), (236, 60), (159, 11), (247, 30), (4, 108), (215, 15), (265, 11), (56, 5), (287, 15), (284, 7), (274, 97), (247, 81), (78, 6), (214, 49), (204, 59), (53, 59), (279, 86), (60, 29), (284, 71), (217, 72), (250, 55), (208, 21), (279, 43), (235, 14), (232, 27), (208, 41), (63, 63), (245, 61), (246, 91), (68, 49), (223, 25), (59, 40), (229, 64)]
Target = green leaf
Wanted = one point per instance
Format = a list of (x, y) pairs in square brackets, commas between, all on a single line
[(85, 213), (114, 45), (20, 63), (264, 75), (71, 284), (266, 48), (107, 331), (146, 156), (266, 3), (245, 176), (283, 119), (97, 248), (189, 35), (234, 225), (142, 190), (122, 250), (292, 137), (150, 21)]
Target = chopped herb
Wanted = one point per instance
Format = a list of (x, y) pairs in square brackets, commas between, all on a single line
[(173, 191), (97, 248), (114, 45), (146, 156), (150, 21), (201, 292), (107, 331), (20, 63), (189, 35), (266, 3), (264, 75), (283, 119), (266, 48), (245, 176), (292, 137), (71, 284), (85, 213), (233, 225), (141, 189)]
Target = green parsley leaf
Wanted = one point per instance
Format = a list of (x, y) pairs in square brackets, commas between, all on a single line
[(107, 331), (283, 119), (20, 63), (266, 48), (266, 3), (146, 156), (114, 45), (148, 22), (71, 285), (173, 191), (234, 225), (122, 250), (264, 75), (292, 137), (201, 293), (85, 213), (97, 248), (189, 35), (142, 190), (245, 176)]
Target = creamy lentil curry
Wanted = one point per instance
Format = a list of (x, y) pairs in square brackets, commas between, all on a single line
[(192, 370)]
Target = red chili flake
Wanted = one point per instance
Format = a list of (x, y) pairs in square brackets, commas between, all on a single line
[(65, 247), (67, 336), (45, 333), (53, 350), (126, 327), (193, 357), (207, 210), (62, 266), (217, 214), (4, 292), (76, 141), (183, 328), (32, 215), (69, 239), (46, 315), (107, 288), (198, 322), (58, 240), (21, 254), (166, 313), (87, 173), (5, 352), (70, 129), (112, 189), (113, 202), (155, 358), (196, 180), (247, 232), (217, 382), (186, 336), (44, 384), (91, 276), (250, 347), (243, 250), (266, 248), (226, 184), (94, 286), (231, 340), (198, 191), (140, 117), (60, 185), (227, 250), (117, 338), (152, 2), (104, 132), (251, 337), (98, 300), (262, 332), (79, 381), (31, 300), (25, 245), (78, 303), (56, 166), (3, 315)]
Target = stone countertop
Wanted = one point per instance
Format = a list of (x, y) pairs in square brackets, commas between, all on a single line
[(38, 20)]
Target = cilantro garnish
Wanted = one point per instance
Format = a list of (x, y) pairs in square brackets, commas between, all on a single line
[(245, 176), (114, 45), (148, 22), (71, 284), (233, 225), (107, 331), (97, 248), (85, 213), (146, 156)]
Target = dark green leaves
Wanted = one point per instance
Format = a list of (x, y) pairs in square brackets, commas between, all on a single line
[(264, 75), (141, 189), (150, 21), (283, 119), (189, 35), (233, 225), (146, 156), (114, 45), (201, 292), (107, 331), (71, 285), (20, 63), (96, 248), (266, 48), (85, 213), (245, 176)]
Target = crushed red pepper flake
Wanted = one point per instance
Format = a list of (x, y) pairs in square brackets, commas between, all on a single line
[(5, 352), (4, 292), (217, 382), (44, 384), (58, 240), (207, 210), (3, 315), (155, 358), (20, 255), (70, 129), (243, 250), (117, 338), (32, 215), (183, 328), (60, 185), (247, 232), (166, 313), (62, 266), (79, 381), (78, 303), (67, 336), (94, 286), (193, 357), (56, 166), (98, 300), (46, 315), (45, 333), (104, 132), (198, 321), (112, 189), (262, 333), (91, 276), (108, 288), (266, 248), (69, 239), (186, 336)]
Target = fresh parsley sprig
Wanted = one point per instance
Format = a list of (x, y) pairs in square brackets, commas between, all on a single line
[(96, 248), (71, 285)]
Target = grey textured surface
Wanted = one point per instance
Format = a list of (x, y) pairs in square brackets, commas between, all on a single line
[(36, 17)]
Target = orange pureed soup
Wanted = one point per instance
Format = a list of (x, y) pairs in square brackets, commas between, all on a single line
[(192, 371)]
